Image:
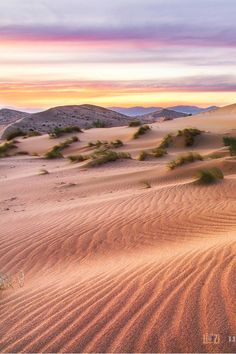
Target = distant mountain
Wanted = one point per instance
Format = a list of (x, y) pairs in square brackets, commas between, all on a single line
[(192, 109), (135, 111), (84, 116), (139, 110), (164, 114), (8, 116)]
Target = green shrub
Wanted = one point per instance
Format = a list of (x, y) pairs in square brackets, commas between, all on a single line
[(113, 144), (55, 152), (103, 156), (228, 140), (181, 160), (231, 142), (6, 147), (57, 132), (189, 135), (14, 134), (143, 155), (215, 155), (135, 123), (166, 141), (116, 144), (124, 155), (78, 158), (142, 130), (97, 144), (33, 133), (209, 176), (159, 152), (99, 124)]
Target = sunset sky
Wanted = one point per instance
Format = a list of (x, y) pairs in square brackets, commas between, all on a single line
[(117, 52)]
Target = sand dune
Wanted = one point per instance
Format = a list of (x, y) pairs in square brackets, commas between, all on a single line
[(113, 266)]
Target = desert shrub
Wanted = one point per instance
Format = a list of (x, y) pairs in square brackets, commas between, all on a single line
[(113, 144), (55, 152), (6, 147), (166, 141), (142, 130), (159, 152), (124, 155), (97, 144), (103, 156), (184, 159), (74, 139), (57, 132), (217, 172), (135, 123), (143, 155), (230, 141), (189, 135), (116, 144), (232, 148), (209, 176), (99, 123), (78, 158), (215, 155), (15, 134), (33, 133), (227, 140)]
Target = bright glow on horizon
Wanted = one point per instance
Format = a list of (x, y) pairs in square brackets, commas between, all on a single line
[(74, 53)]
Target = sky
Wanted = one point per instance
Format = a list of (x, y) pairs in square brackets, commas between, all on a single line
[(117, 52)]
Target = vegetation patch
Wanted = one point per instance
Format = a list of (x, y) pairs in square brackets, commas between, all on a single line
[(166, 141), (143, 155), (158, 152), (57, 132), (185, 159), (55, 152), (209, 176), (215, 155), (78, 158), (230, 141), (135, 123), (113, 144), (98, 123), (33, 133), (141, 131), (6, 147), (20, 132), (189, 135), (104, 156)]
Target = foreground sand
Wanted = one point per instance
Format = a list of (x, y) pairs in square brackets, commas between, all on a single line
[(113, 266)]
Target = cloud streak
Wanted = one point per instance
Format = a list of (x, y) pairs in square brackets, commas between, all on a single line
[(159, 35)]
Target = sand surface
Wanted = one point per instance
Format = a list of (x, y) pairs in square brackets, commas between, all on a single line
[(113, 266)]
